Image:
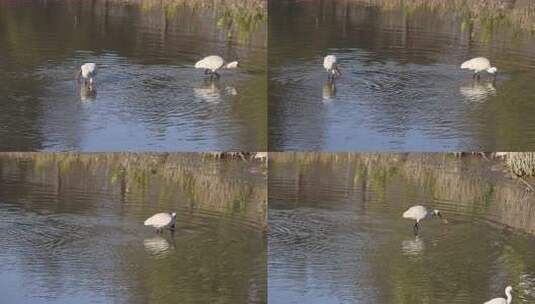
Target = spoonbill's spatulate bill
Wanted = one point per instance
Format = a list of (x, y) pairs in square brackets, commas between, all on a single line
[(88, 71), (161, 221), (419, 213), (508, 291), (478, 65), (330, 63), (213, 63)]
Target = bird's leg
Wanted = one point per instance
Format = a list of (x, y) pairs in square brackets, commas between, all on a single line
[(478, 76), (206, 71), (416, 228), (474, 76), (337, 72), (217, 75)]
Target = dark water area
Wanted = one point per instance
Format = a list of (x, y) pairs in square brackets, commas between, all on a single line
[(71, 229), (148, 95), (401, 87), (336, 234)]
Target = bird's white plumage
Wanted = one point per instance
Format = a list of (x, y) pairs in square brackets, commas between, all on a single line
[(416, 213), (89, 70), (478, 64), (212, 63), (161, 220), (329, 62), (232, 65), (507, 300)]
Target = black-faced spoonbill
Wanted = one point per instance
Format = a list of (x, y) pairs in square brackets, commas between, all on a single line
[(161, 221), (330, 63), (508, 291), (213, 63), (478, 65), (419, 213), (88, 71)]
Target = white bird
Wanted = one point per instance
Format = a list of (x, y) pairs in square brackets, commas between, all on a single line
[(212, 64), (508, 291), (330, 64), (478, 65), (88, 71), (419, 213), (161, 221)]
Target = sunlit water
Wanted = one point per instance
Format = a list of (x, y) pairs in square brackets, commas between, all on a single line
[(148, 95), (71, 231), (401, 86), (336, 234)]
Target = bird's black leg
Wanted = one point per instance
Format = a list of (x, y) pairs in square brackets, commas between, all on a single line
[(416, 228), (478, 76), (206, 72), (217, 75)]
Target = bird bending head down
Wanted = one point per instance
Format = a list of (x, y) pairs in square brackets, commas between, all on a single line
[(330, 63), (211, 64), (478, 65), (161, 221)]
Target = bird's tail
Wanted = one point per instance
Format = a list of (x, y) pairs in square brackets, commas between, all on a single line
[(199, 64)]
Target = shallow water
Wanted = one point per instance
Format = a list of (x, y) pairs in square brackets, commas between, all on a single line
[(336, 234), (148, 95), (71, 230), (401, 88)]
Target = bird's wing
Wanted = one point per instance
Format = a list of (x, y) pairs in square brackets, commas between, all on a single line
[(158, 218)]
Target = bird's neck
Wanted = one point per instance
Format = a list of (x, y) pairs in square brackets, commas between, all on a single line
[(509, 297)]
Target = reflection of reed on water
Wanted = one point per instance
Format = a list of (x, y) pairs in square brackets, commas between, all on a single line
[(471, 183), (229, 186)]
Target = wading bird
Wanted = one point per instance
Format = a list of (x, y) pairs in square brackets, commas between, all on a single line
[(508, 291), (330, 64), (478, 65), (161, 221), (212, 64), (88, 71), (419, 213)]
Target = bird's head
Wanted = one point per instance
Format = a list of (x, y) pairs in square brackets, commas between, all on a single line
[(232, 65), (508, 289), (173, 214), (439, 215), (492, 70)]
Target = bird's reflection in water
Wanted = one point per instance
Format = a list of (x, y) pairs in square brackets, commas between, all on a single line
[(88, 93), (478, 91), (413, 247), (329, 91), (158, 245), (211, 91)]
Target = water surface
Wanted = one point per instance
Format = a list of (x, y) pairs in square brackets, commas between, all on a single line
[(336, 234), (401, 87), (148, 95), (71, 229)]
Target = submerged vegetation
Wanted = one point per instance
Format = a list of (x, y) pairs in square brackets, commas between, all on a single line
[(236, 18), (487, 15)]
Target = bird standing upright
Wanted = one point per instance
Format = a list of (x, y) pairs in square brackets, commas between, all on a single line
[(211, 64), (330, 63), (508, 291)]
